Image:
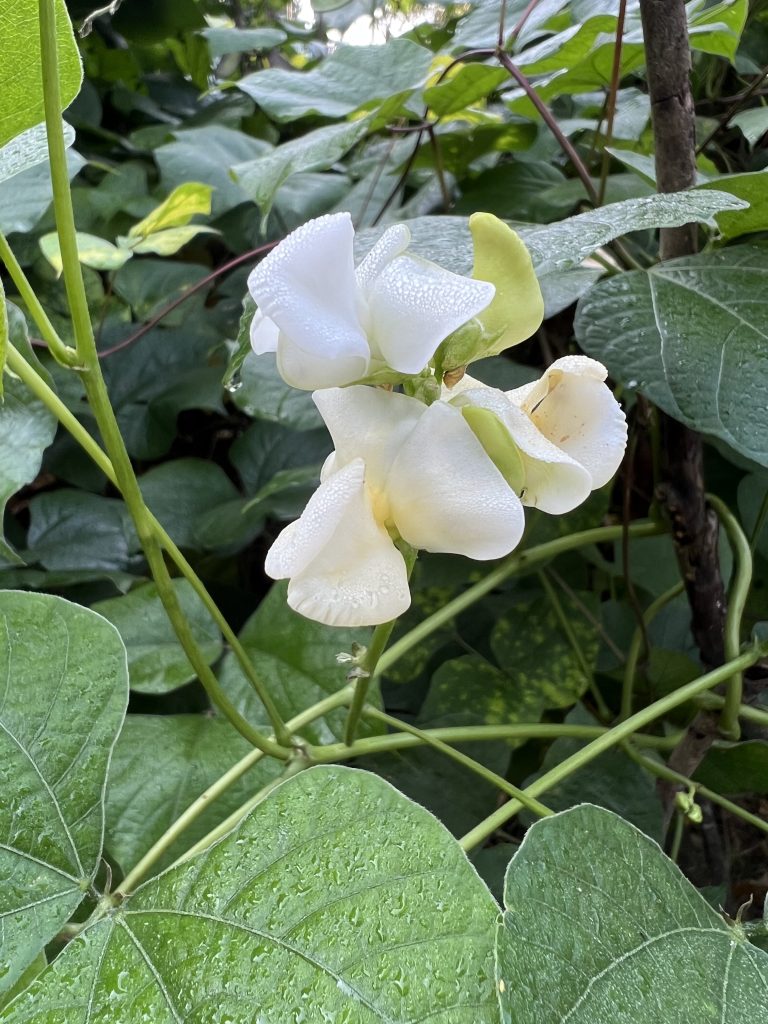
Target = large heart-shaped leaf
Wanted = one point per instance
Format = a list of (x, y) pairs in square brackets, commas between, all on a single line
[(601, 926), (64, 685), (336, 900), (21, 84), (691, 334)]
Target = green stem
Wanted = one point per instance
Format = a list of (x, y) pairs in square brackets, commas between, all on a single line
[(61, 353), (637, 644), (738, 592), (677, 835), (618, 734), (369, 745), (746, 711), (366, 670), (662, 771), (589, 677), (96, 390), (204, 801), (518, 562), (431, 740)]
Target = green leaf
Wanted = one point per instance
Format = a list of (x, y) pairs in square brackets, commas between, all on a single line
[(530, 643), (26, 196), (72, 529), (21, 86), (26, 429), (176, 210), (266, 449), (351, 77), (315, 151), (64, 696), (169, 241), (204, 485), (753, 189), (716, 28), (638, 944), (156, 660), (161, 764), (206, 154), (472, 82), (28, 149), (337, 899), (261, 392), (37, 966), (4, 336), (92, 251), (296, 659), (689, 334), (753, 124), (222, 41), (736, 769)]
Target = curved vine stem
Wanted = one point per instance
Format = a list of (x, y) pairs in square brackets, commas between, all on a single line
[(638, 643)]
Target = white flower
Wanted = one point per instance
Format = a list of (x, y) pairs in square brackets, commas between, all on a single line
[(568, 431), (399, 469), (331, 324)]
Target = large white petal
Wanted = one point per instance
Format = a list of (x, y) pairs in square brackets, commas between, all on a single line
[(392, 243), (446, 494), (368, 423), (307, 286), (578, 413), (359, 578), (413, 305), (302, 541), (554, 482), (264, 334), (309, 371)]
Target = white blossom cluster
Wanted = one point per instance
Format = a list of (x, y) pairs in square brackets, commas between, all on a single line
[(443, 469)]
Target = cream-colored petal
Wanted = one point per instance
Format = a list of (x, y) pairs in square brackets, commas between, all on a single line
[(577, 412), (302, 541), (392, 243), (309, 371), (359, 578), (264, 334), (368, 423), (307, 286), (445, 493), (414, 305), (554, 482)]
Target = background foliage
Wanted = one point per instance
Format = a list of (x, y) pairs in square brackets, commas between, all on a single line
[(203, 133)]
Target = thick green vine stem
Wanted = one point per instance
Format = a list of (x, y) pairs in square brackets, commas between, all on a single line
[(519, 562), (365, 669), (32, 379), (98, 397), (611, 738), (738, 593), (636, 645)]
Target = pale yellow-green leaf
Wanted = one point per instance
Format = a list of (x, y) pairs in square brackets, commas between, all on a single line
[(169, 241), (21, 88), (92, 251), (178, 209), (501, 258)]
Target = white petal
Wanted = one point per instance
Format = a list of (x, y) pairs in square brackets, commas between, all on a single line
[(554, 482), (368, 423), (414, 305), (445, 493), (307, 286), (309, 371), (392, 243), (302, 541), (578, 413), (264, 334), (359, 578)]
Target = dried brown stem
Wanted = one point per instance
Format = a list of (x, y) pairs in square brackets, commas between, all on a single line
[(682, 491)]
